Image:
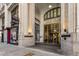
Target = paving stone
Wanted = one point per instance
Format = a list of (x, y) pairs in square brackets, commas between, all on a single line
[(12, 50)]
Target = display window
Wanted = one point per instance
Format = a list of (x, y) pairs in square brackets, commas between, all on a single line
[(14, 26)]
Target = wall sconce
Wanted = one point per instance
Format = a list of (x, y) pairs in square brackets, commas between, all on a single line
[(65, 35), (65, 25), (65, 30), (29, 31)]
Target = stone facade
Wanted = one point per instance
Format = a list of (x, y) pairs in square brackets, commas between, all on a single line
[(26, 35)]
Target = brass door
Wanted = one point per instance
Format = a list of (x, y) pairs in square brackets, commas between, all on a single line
[(52, 33)]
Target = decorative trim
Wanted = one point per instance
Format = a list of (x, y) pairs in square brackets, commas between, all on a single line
[(28, 36)]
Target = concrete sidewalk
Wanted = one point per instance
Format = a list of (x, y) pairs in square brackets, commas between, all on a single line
[(12, 50)]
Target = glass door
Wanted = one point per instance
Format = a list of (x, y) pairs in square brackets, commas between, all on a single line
[(52, 33)]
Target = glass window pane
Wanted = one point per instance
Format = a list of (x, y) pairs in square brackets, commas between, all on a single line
[(47, 15), (54, 12), (59, 12), (51, 13)]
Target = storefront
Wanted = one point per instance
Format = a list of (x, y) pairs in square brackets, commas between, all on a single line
[(52, 26), (13, 31)]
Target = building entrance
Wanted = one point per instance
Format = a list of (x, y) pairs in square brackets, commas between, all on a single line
[(50, 23), (14, 26), (52, 34)]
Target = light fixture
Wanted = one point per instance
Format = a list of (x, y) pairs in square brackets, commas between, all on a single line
[(50, 6), (65, 25)]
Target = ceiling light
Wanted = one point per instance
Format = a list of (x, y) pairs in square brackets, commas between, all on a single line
[(50, 6)]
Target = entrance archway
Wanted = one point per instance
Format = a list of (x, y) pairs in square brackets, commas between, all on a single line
[(52, 26), (49, 15)]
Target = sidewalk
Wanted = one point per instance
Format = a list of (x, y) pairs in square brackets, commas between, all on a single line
[(11, 50)]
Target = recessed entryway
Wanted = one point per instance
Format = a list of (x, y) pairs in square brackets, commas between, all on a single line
[(49, 16)]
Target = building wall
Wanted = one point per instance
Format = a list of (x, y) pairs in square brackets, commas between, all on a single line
[(77, 28), (37, 13), (68, 14), (26, 25), (68, 19), (0, 28)]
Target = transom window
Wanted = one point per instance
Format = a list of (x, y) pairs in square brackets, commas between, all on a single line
[(53, 13)]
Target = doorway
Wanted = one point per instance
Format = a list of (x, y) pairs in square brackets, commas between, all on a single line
[(50, 23), (52, 34)]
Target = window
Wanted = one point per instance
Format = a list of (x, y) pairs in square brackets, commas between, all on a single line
[(59, 11), (14, 26), (55, 12), (52, 13), (48, 14)]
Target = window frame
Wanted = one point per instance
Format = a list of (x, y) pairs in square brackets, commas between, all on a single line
[(52, 11)]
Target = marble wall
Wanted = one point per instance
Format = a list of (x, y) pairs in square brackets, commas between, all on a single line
[(68, 13)]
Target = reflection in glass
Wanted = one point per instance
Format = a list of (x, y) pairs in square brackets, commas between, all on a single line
[(48, 14), (54, 12), (44, 16), (59, 12), (51, 13)]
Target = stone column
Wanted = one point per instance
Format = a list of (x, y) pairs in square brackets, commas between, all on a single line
[(68, 18), (72, 9), (26, 24), (42, 27), (23, 23), (0, 29), (7, 21), (64, 17), (77, 41), (31, 28)]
